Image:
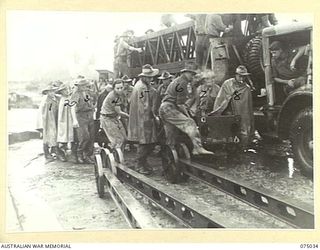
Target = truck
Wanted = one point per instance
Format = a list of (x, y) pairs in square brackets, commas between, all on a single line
[(282, 117)]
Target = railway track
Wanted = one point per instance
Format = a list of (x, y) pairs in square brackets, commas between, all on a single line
[(232, 203)]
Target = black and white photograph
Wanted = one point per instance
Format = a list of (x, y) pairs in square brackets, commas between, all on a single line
[(159, 120)]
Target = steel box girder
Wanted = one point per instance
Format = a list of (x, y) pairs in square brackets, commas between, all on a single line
[(178, 209), (296, 215)]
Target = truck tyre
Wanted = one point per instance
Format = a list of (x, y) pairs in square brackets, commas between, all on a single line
[(301, 137), (253, 59)]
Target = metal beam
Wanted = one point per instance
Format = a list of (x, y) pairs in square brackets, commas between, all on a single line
[(195, 217), (157, 51), (134, 213), (151, 52), (280, 207), (167, 58), (179, 45), (171, 48), (188, 44)]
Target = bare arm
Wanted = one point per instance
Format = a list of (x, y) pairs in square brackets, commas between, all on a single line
[(127, 46), (301, 51), (120, 112), (75, 122)]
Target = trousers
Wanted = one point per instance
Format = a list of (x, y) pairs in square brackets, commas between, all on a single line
[(174, 120), (85, 133)]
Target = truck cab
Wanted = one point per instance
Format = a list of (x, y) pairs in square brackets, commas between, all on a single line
[(288, 116)]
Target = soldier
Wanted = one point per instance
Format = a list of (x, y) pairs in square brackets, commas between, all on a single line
[(126, 95), (174, 114), (84, 101), (123, 48), (166, 79), (205, 95), (142, 127), (288, 66), (127, 91), (202, 39), (167, 20), (47, 121), (235, 98), (105, 89), (110, 112), (66, 116)]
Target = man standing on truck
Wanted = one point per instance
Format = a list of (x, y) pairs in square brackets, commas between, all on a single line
[(142, 127), (214, 28), (235, 98), (121, 67), (202, 39), (174, 114), (287, 69)]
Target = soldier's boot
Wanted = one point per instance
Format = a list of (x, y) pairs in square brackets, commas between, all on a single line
[(61, 155), (87, 159), (47, 154), (198, 148), (79, 158), (201, 151), (142, 168), (73, 156)]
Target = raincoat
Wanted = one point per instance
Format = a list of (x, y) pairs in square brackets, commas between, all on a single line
[(238, 96), (142, 127), (48, 117), (65, 125)]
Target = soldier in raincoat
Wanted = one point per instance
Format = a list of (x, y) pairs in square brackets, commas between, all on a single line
[(205, 95), (127, 91), (235, 97), (142, 127), (66, 118), (174, 114), (47, 121)]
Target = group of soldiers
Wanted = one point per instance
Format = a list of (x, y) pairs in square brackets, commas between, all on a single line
[(152, 109), (146, 114)]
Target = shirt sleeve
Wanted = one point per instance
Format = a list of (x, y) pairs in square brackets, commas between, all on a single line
[(218, 22)]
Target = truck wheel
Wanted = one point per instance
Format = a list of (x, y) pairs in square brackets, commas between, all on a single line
[(253, 59), (301, 137)]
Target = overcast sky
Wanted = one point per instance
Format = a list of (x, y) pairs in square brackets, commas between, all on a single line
[(44, 45)]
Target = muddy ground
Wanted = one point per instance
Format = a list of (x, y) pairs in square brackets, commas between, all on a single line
[(56, 196)]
